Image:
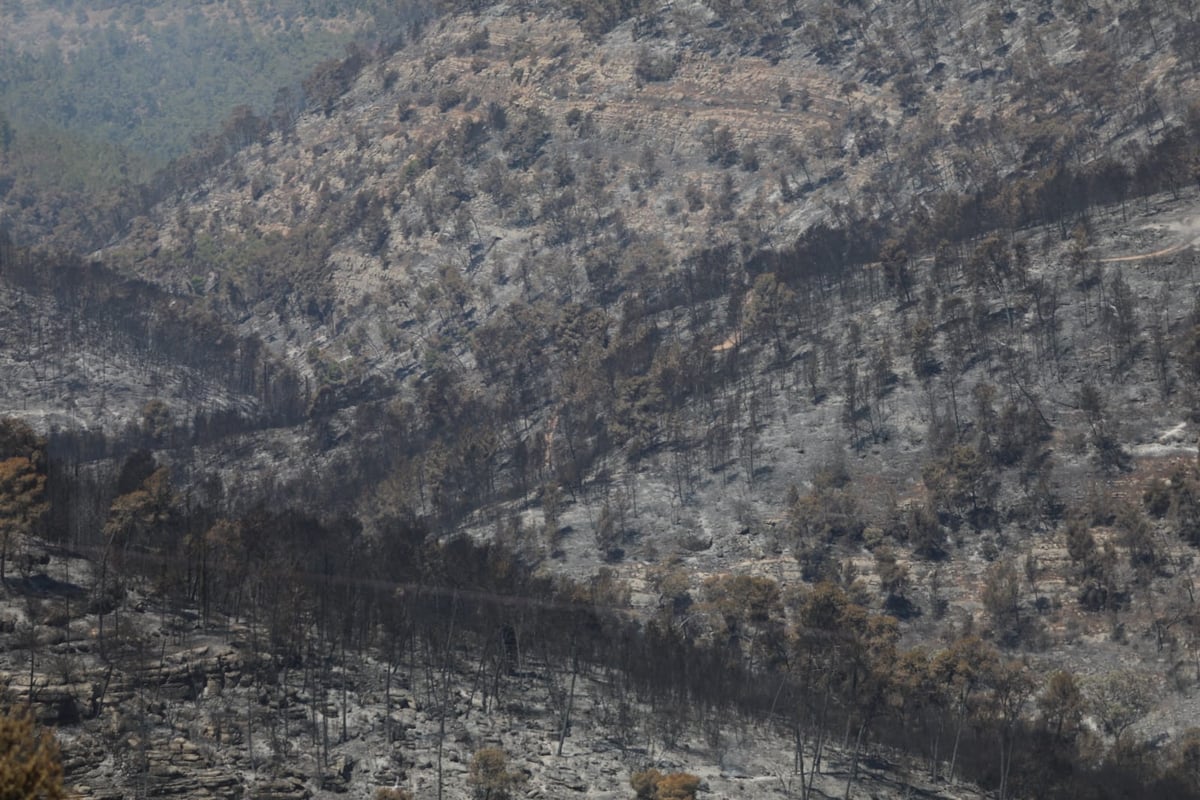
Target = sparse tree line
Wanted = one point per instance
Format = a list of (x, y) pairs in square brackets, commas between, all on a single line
[(77, 305), (813, 660)]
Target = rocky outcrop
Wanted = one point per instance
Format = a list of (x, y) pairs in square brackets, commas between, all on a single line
[(288, 787)]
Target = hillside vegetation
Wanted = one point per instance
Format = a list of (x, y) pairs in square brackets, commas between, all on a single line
[(829, 368), (96, 97)]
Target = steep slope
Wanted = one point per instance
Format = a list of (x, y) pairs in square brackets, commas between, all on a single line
[(497, 149), (208, 714), (507, 180), (801, 321)]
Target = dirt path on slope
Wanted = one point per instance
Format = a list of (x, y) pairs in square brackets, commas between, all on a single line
[(1166, 251), (1189, 227)]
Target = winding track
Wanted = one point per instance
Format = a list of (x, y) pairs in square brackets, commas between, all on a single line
[(1190, 228), (1166, 251)]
